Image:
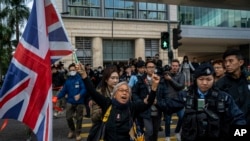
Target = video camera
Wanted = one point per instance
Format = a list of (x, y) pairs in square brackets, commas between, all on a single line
[(166, 69)]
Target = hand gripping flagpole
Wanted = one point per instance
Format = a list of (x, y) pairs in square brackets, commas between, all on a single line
[(75, 56)]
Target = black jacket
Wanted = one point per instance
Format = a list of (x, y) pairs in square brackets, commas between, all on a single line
[(140, 91), (120, 118), (239, 89), (58, 79)]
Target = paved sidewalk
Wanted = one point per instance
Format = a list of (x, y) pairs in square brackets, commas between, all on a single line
[(17, 131)]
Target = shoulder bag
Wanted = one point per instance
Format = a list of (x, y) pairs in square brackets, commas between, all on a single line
[(98, 130)]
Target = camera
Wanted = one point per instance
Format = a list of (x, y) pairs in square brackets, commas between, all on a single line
[(166, 69)]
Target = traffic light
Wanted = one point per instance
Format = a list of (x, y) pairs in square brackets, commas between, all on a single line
[(176, 38), (164, 40)]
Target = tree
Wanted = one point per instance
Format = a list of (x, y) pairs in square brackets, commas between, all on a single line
[(5, 44), (16, 13), (12, 17)]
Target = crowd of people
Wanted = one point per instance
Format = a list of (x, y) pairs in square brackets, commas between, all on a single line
[(209, 98)]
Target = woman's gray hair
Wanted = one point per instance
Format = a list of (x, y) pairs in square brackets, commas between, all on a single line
[(118, 85)]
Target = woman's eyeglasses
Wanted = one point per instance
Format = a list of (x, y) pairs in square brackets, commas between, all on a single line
[(123, 90)]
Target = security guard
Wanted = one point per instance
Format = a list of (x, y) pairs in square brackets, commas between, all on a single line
[(209, 112)]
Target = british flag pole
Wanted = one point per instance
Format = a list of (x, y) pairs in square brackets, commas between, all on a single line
[(26, 94)]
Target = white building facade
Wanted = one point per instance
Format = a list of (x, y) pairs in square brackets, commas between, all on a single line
[(112, 31)]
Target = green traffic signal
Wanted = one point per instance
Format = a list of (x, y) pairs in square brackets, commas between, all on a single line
[(165, 44), (164, 40)]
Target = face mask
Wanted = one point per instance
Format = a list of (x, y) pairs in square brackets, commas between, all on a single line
[(99, 70), (72, 73)]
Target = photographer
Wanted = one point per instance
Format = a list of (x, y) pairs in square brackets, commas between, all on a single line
[(175, 82)]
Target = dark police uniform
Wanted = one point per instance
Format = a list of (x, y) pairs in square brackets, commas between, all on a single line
[(209, 116)]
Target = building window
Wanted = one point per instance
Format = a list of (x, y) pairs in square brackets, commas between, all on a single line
[(120, 8), (122, 50), (151, 47), (117, 9), (213, 17), (84, 50), (153, 11), (84, 7)]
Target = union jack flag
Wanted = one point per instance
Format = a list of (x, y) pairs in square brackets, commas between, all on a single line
[(26, 94)]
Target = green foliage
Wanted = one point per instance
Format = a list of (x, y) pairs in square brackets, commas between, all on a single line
[(5, 45), (15, 13), (5, 60)]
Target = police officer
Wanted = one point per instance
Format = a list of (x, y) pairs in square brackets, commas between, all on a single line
[(209, 112)]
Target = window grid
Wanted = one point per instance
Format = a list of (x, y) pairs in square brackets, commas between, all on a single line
[(122, 50), (152, 11), (84, 8), (84, 50), (214, 17), (151, 47), (118, 9)]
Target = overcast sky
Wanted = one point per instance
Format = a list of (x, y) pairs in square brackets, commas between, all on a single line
[(29, 4)]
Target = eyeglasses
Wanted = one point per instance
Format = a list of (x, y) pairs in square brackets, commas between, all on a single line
[(123, 90)]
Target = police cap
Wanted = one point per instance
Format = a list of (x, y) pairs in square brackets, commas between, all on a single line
[(203, 70)]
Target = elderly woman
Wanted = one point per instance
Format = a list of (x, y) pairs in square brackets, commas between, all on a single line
[(123, 110)]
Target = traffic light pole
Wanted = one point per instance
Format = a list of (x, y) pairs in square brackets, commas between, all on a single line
[(170, 39), (169, 30)]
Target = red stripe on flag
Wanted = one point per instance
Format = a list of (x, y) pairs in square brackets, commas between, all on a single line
[(15, 92), (60, 52), (47, 123), (41, 85), (51, 16)]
